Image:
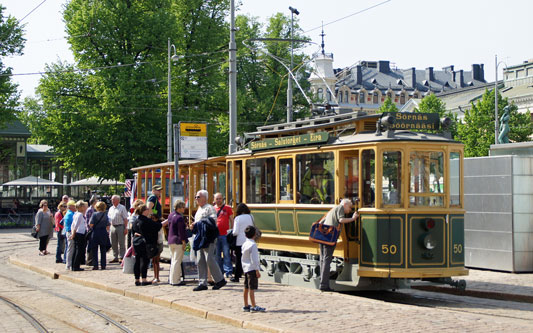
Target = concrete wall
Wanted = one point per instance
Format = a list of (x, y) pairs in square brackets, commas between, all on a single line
[(499, 213)]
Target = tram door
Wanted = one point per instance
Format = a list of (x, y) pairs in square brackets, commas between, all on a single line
[(349, 188)]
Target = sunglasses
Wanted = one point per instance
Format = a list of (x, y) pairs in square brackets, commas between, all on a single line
[(197, 197), (63, 206)]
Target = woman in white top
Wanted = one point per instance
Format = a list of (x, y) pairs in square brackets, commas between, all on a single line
[(242, 220)]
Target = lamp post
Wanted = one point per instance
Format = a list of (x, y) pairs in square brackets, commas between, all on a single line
[(496, 123), (175, 57), (289, 85)]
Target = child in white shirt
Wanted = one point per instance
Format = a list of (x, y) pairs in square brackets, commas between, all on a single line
[(250, 267)]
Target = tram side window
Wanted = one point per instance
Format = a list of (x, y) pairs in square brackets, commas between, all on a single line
[(351, 177), (238, 182), (229, 195), (285, 179), (315, 182), (369, 178), (392, 175), (455, 179), (261, 180), (426, 179)]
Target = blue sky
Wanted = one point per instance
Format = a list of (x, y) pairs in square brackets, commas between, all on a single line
[(409, 33)]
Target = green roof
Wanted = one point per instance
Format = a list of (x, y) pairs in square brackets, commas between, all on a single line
[(15, 129)]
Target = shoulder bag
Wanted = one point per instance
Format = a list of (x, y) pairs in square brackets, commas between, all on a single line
[(324, 234)]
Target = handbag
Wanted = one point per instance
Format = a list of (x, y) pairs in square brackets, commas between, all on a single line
[(127, 265), (324, 234), (34, 231), (231, 239)]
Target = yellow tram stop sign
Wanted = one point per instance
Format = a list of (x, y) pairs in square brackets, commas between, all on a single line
[(192, 140)]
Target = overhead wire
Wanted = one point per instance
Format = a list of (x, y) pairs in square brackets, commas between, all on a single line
[(348, 16), (31, 11)]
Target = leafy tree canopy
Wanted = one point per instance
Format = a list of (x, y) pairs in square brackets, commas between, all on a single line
[(11, 43), (432, 104), (387, 106), (476, 130)]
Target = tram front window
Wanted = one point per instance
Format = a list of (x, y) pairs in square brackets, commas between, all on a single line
[(285, 179), (261, 180), (315, 182), (455, 179), (391, 180), (426, 179)]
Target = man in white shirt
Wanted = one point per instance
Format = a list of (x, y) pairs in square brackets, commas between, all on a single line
[(79, 229), (206, 252), (118, 217)]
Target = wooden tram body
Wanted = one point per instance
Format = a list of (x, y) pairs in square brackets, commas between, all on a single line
[(409, 186)]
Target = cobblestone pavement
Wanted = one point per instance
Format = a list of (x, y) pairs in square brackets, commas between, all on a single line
[(32, 292), (304, 310)]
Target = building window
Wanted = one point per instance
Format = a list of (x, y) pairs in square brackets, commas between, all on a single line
[(402, 98), (346, 99), (320, 94), (375, 99), (361, 97), (340, 96)]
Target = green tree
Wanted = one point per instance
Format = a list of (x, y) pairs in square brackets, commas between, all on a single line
[(262, 81), (111, 114), (476, 130), (11, 44), (387, 106), (432, 104)]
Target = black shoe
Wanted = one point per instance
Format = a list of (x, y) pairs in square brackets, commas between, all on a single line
[(103, 268), (78, 269), (182, 283), (200, 288), (147, 283), (234, 279), (59, 262), (220, 284), (327, 289), (137, 283), (211, 283), (95, 268)]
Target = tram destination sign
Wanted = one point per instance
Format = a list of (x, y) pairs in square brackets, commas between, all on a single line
[(290, 141), (414, 121)]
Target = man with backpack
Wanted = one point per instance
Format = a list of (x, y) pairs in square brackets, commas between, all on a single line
[(206, 234)]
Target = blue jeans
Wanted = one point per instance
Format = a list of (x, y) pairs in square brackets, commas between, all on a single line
[(223, 248), (61, 244)]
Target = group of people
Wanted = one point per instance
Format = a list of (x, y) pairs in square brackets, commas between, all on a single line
[(83, 231), (83, 227)]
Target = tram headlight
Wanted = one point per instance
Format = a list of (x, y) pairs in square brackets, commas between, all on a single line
[(429, 242)]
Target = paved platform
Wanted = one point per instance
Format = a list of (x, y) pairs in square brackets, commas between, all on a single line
[(289, 308)]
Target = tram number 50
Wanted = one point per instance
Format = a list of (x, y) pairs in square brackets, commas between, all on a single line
[(457, 248), (386, 249)]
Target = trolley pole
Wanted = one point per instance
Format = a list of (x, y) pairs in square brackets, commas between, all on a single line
[(232, 81)]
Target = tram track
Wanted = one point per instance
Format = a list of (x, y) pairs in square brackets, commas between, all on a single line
[(106, 318), (31, 319)]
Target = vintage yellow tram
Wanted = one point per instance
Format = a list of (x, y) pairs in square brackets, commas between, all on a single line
[(408, 182)]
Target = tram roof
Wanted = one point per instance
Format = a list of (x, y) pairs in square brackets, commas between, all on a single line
[(213, 159), (312, 123), (367, 137)]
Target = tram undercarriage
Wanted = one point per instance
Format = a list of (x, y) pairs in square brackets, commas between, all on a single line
[(304, 270)]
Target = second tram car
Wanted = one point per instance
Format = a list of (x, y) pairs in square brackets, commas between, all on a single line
[(408, 185)]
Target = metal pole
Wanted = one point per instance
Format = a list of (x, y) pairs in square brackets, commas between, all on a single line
[(169, 113), (289, 85), (232, 81), (496, 125)]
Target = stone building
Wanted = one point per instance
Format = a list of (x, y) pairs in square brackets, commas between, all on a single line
[(366, 85)]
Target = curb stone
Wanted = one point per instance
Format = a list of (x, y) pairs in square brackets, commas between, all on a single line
[(186, 308)]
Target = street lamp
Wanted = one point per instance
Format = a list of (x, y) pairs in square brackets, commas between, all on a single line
[(496, 123), (175, 57), (289, 85)]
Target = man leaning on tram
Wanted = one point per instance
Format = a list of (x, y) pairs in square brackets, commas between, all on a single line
[(337, 214)]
